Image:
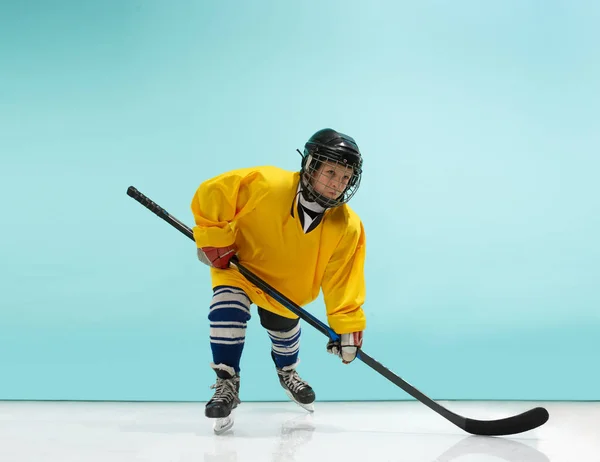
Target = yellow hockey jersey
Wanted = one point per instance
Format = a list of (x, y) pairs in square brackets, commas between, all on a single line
[(256, 209)]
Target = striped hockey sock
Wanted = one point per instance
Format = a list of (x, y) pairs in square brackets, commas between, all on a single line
[(228, 316), (285, 346)]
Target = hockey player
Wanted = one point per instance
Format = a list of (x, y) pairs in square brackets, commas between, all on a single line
[(295, 231)]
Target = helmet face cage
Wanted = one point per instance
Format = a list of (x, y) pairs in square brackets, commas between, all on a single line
[(311, 178)]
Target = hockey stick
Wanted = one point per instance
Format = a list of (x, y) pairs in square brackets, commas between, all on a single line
[(526, 421)]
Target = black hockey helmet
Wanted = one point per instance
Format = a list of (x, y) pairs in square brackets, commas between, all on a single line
[(330, 145)]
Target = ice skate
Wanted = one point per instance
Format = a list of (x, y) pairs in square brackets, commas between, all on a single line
[(297, 389), (225, 398)]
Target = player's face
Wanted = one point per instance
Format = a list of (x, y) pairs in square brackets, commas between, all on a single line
[(331, 179)]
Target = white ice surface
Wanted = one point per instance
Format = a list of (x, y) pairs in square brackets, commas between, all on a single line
[(270, 432)]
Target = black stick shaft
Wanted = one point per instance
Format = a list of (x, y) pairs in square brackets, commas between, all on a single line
[(511, 425), (159, 211)]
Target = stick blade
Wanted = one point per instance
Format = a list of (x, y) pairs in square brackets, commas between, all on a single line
[(520, 423)]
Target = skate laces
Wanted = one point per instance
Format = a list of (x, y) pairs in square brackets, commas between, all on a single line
[(225, 390), (293, 380)]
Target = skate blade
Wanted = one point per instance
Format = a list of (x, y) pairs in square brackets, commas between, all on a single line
[(309, 407), (223, 424)]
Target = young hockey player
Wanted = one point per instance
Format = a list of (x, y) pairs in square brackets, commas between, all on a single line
[(295, 231)]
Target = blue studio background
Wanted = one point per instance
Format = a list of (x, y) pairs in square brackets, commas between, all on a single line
[(479, 125)]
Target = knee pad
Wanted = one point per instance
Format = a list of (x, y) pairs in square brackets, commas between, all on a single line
[(228, 315), (229, 304)]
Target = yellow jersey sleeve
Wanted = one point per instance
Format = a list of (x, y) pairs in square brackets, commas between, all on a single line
[(223, 199), (343, 282)]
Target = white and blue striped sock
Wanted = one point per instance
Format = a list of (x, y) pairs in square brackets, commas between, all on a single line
[(228, 315), (285, 346)]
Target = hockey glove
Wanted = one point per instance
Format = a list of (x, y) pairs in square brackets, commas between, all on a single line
[(217, 257), (347, 347)]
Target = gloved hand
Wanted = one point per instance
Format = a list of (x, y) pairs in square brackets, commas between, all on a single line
[(347, 347), (217, 257)]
